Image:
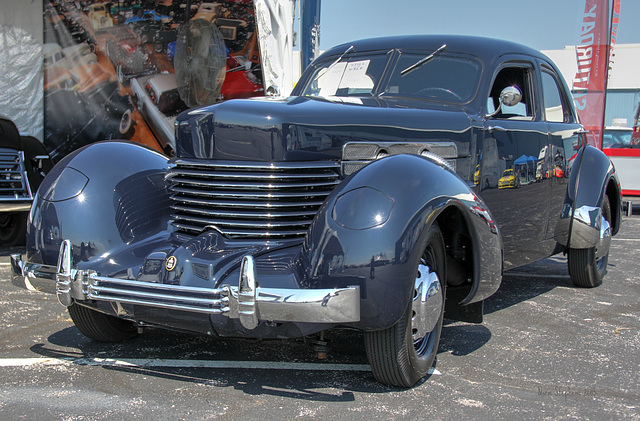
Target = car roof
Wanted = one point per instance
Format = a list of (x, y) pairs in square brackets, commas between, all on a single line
[(482, 47)]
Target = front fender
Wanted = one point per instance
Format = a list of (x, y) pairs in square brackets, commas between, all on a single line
[(592, 176), (107, 198), (372, 230)]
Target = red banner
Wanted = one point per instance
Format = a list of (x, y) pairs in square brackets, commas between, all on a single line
[(590, 82)]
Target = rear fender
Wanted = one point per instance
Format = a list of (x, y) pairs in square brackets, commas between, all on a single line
[(372, 230), (592, 176)]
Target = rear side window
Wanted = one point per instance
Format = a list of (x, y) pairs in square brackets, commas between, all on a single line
[(554, 108)]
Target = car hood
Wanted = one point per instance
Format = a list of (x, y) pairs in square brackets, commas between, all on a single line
[(302, 128)]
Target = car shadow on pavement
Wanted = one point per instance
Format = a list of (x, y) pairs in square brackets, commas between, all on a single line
[(345, 348), (527, 282)]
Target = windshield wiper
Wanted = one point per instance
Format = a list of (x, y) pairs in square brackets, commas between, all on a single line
[(422, 61), (326, 69)]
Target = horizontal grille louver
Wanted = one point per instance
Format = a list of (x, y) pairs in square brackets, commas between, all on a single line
[(249, 199), (13, 183)]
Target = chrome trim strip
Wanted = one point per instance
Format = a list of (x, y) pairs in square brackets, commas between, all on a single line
[(253, 165), (12, 205), (247, 308), (32, 276), (253, 304), (604, 243), (270, 184), (64, 274), (248, 175), (270, 213), (585, 230)]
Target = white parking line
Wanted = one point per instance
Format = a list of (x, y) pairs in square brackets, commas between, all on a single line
[(141, 362), (146, 363)]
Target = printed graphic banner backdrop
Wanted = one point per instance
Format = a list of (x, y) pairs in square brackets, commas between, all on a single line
[(109, 67), (590, 82)]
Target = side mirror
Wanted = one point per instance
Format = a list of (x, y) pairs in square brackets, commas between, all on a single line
[(510, 96)]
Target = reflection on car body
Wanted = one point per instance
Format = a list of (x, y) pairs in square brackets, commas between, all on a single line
[(508, 179)]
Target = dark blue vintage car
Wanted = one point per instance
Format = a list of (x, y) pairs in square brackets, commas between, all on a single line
[(369, 199)]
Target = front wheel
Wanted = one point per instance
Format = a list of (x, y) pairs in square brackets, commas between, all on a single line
[(587, 267), (403, 354), (99, 326)]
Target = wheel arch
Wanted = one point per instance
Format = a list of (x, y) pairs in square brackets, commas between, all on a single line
[(614, 193), (106, 198), (592, 177), (383, 259)]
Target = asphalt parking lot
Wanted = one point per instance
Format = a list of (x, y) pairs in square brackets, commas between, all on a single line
[(546, 350)]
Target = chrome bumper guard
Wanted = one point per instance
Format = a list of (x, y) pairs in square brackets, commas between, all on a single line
[(247, 302)]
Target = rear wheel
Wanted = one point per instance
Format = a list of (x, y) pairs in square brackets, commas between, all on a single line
[(587, 267), (403, 354), (99, 326)]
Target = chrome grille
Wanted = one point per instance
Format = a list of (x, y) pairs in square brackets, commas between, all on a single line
[(249, 199), (13, 182)]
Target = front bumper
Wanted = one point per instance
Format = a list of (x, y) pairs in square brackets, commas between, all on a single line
[(247, 302)]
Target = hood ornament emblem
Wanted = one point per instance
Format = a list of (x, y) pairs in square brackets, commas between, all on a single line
[(171, 263)]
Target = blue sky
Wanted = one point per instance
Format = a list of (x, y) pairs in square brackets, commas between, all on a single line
[(541, 24)]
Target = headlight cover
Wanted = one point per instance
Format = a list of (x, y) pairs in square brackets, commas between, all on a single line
[(65, 184), (362, 208)]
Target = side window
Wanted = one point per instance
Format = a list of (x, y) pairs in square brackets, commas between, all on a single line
[(512, 76), (553, 106)]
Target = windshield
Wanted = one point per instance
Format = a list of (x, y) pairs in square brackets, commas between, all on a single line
[(443, 77), (349, 76)]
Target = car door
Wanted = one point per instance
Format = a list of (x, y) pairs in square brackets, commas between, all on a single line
[(564, 131), (513, 140)]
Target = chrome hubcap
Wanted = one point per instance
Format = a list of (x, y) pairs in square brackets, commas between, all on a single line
[(427, 303), (602, 248)]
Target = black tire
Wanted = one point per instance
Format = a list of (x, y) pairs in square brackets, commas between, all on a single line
[(402, 355), (13, 228), (585, 268), (99, 326)]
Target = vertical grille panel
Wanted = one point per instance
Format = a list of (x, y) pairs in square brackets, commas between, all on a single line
[(13, 182), (249, 199)]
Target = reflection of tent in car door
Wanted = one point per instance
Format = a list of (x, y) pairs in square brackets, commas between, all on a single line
[(525, 167)]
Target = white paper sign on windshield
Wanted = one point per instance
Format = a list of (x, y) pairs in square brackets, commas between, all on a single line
[(352, 75)]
